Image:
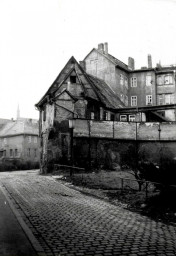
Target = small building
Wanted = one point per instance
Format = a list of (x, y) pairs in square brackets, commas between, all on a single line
[(19, 142)]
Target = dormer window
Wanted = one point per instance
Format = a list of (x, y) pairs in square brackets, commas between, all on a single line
[(73, 79)]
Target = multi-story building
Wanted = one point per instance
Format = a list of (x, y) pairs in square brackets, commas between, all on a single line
[(19, 140), (148, 86)]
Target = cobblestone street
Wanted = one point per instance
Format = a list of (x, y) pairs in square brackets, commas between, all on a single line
[(67, 222)]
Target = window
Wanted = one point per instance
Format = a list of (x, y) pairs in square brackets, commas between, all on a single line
[(165, 99), (122, 97), (159, 80), (112, 117), (5, 141), (160, 100), (133, 100), (126, 100), (168, 79), (1, 153), (29, 152), (92, 115), (133, 82), (148, 99), (4, 153), (123, 118), (148, 80), (169, 99), (73, 79), (132, 118), (105, 115), (11, 152), (35, 152), (35, 139), (16, 152), (121, 79), (126, 82), (29, 139)]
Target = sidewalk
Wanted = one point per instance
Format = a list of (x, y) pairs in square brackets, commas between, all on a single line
[(13, 241)]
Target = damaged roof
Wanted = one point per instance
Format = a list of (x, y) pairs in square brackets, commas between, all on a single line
[(94, 88), (18, 127)]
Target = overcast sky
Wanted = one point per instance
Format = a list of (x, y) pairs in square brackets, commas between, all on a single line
[(37, 37)]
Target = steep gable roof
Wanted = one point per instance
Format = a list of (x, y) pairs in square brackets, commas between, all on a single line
[(93, 87), (106, 94), (20, 127)]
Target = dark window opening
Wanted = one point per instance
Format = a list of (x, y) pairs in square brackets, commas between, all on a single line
[(11, 152), (73, 79), (112, 117), (16, 152)]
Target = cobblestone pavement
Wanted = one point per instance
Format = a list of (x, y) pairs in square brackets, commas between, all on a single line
[(66, 222)]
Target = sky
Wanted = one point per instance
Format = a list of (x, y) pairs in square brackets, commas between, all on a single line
[(37, 38)]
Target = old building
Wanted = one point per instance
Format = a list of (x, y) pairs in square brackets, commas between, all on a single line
[(19, 141), (74, 94), (97, 111), (148, 86)]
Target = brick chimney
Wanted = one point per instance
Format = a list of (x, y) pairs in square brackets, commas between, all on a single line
[(149, 61), (101, 47), (131, 64), (106, 48)]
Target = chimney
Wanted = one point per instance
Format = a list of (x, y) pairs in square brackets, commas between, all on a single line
[(131, 63), (83, 64), (149, 61), (106, 48), (101, 47)]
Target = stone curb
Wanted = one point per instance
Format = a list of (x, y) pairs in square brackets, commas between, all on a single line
[(39, 250)]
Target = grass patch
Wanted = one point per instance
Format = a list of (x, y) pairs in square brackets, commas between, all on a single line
[(108, 185)]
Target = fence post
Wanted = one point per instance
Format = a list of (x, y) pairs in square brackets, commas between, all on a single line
[(146, 192), (122, 183)]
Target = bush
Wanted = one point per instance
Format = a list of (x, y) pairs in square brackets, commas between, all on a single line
[(13, 165)]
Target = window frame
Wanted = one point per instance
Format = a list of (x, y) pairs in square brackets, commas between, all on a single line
[(130, 116), (11, 152), (133, 98), (149, 100), (123, 116), (147, 83), (134, 81)]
